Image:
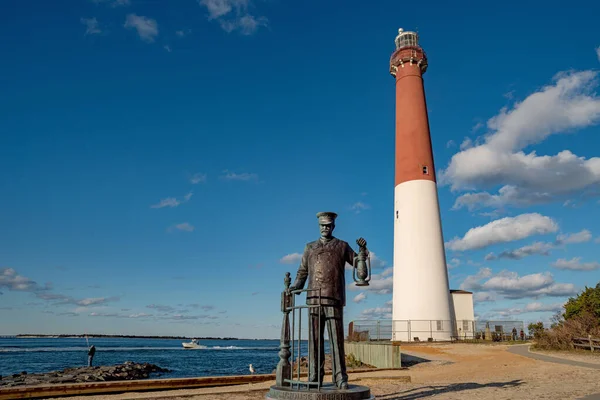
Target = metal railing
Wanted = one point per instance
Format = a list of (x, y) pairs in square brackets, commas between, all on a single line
[(291, 346), (431, 330), (298, 310)]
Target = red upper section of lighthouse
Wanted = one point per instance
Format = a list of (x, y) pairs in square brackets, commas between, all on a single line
[(408, 55), (414, 156)]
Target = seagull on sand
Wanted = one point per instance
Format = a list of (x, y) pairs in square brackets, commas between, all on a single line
[(252, 370)]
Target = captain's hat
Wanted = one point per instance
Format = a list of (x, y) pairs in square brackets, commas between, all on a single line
[(326, 217)]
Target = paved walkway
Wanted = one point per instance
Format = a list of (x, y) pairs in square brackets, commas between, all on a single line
[(523, 350)]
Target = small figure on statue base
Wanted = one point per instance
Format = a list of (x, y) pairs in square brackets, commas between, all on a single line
[(323, 265)]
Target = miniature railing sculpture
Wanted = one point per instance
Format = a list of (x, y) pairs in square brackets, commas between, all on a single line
[(285, 372)]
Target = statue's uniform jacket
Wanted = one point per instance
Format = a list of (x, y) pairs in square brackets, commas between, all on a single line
[(324, 265)]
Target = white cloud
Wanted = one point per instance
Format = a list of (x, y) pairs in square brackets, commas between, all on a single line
[(113, 3), (377, 313), (539, 307), (172, 201), (579, 237), (542, 248), (359, 206), (147, 28), (10, 280), (450, 143), (490, 256), (359, 297), (597, 240), (509, 95), (183, 32), (529, 308), (119, 315), (246, 24), (379, 284), (510, 282), (467, 143), (233, 15), (91, 26), (575, 264), (168, 202), (504, 230), (198, 178), (167, 48), (472, 282), (161, 308), (219, 8), (481, 297), (568, 104), (232, 176), (94, 301), (293, 258), (185, 226), (507, 194), (139, 315), (454, 262), (598, 52), (512, 286)]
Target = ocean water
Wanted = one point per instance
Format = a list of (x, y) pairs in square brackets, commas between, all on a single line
[(215, 357)]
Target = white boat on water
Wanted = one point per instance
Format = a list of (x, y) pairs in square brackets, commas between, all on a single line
[(191, 345)]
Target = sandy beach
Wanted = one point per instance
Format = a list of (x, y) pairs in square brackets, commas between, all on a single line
[(454, 371)]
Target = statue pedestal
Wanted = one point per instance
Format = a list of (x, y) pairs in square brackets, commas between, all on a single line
[(327, 392)]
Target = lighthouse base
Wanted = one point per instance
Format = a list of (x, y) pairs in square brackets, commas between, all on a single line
[(421, 301)]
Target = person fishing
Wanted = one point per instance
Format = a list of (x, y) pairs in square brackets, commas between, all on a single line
[(91, 353)]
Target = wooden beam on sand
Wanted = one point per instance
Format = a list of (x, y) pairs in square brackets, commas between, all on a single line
[(86, 388)]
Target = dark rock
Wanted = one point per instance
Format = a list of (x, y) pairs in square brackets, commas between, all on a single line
[(126, 371)]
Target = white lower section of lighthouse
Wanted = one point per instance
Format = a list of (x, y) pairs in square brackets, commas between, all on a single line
[(421, 306)]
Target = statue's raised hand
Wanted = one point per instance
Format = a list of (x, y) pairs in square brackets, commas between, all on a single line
[(362, 243)]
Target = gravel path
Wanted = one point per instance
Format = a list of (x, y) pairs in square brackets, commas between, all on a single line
[(523, 350)]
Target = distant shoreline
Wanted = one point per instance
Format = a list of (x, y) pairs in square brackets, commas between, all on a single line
[(90, 335)]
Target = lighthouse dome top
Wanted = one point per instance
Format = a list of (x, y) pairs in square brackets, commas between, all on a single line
[(406, 38)]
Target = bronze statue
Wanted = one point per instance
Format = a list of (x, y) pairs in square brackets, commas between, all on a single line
[(323, 262)]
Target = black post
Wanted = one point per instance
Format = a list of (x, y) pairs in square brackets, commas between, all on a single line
[(284, 368)]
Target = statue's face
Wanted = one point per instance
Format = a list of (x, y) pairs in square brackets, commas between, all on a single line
[(326, 229)]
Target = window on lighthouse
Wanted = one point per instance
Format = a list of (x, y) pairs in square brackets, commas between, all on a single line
[(425, 170)]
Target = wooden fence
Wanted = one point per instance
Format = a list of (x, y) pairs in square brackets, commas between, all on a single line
[(587, 343)]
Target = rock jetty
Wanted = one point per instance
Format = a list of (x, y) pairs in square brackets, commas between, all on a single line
[(121, 372)]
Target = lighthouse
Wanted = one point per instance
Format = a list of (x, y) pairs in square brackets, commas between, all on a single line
[(421, 304)]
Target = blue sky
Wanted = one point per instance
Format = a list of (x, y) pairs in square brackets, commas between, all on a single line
[(162, 162)]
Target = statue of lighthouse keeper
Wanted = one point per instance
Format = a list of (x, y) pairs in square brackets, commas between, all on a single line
[(323, 262)]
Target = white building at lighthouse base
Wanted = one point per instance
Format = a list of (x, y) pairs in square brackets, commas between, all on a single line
[(461, 324)]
